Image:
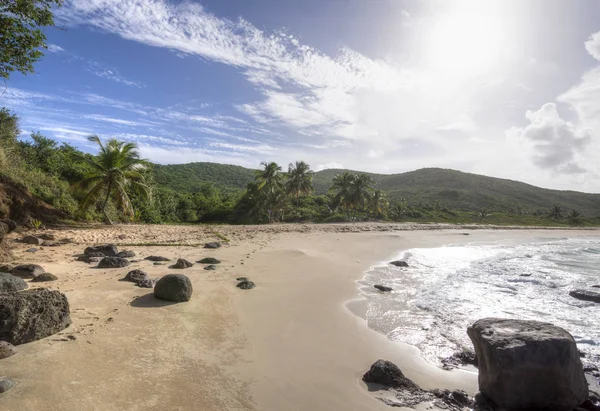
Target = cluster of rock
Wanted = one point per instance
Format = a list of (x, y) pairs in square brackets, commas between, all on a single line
[(12, 277), (45, 239)]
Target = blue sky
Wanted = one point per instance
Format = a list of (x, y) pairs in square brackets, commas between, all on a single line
[(502, 88)]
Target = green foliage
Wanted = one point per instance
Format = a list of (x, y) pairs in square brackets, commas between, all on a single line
[(35, 223), (20, 34)]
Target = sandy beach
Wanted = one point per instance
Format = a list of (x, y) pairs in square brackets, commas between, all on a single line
[(292, 343)]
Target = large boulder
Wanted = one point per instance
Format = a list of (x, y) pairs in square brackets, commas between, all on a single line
[(173, 287), (182, 263), (586, 295), (32, 314), (528, 365), (6, 268), (113, 262), (109, 250), (387, 373), (11, 283), (6, 350), (44, 277), (30, 239), (27, 270)]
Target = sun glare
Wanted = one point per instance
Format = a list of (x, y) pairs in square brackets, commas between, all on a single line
[(465, 43)]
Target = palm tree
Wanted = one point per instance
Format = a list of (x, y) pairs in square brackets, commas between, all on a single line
[(270, 185), (116, 171), (556, 212), (575, 218), (299, 180), (378, 204), (342, 184), (360, 191)]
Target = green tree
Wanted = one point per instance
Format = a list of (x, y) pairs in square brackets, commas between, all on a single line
[(20, 34), (378, 204), (556, 212), (342, 189), (361, 189), (116, 171), (575, 218), (299, 181), (270, 186)]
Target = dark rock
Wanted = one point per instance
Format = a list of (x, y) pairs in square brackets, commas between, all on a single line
[(156, 258), (5, 384), (586, 295), (86, 257), (135, 275), (173, 287), (109, 250), (32, 314), (212, 245), (456, 399), (399, 263), (146, 283), (48, 236), (32, 240), (383, 288), (242, 279), (113, 262), (159, 263), (6, 268), (210, 267), (12, 225), (66, 241), (10, 283), (126, 254), (209, 260), (32, 250), (181, 264), (596, 286), (246, 285), (459, 358), (6, 350), (528, 364), (3, 231), (387, 373), (27, 270), (44, 277)]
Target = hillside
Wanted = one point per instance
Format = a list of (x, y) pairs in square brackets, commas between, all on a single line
[(453, 189)]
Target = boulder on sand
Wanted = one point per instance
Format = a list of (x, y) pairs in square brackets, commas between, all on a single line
[(181, 264), (156, 258), (135, 275), (6, 268), (91, 257), (586, 295), (246, 285), (387, 373), (6, 350), (12, 225), (11, 283), (32, 314), (209, 260), (44, 277), (113, 262), (32, 240), (528, 365), (5, 384), (126, 254), (210, 267), (399, 263), (109, 250), (27, 270), (173, 287), (48, 237), (214, 244)]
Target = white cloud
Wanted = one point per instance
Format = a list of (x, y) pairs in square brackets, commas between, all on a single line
[(53, 48), (592, 45), (99, 70)]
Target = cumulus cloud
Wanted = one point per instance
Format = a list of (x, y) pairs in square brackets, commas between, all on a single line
[(593, 45), (53, 48), (552, 141)]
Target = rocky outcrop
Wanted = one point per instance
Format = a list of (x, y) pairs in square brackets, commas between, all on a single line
[(246, 285), (212, 245), (113, 262), (126, 254), (586, 295), (181, 264), (173, 287), (11, 283), (7, 350), (399, 263), (27, 270), (528, 365), (209, 260), (44, 277), (109, 250), (383, 288), (32, 314), (156, 258)]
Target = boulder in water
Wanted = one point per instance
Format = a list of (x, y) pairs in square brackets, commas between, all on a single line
[(209, 260), (27, 270), (383, 288), (586, 295), (113, 262), (156, 258), (7, 349), (32, 314), (399, 263), (44, 277), (126, 254), (528, 365), (213, 244), (173, 287), (181, 264), (109, 250), (11, 283)]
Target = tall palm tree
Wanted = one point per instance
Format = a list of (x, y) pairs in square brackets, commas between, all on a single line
[(556, 212), (299, 181), (342, 185), (360, 191), (270, 185), (116, 172), (378, 204)]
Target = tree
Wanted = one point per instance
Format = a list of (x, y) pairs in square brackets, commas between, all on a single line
[(270, 186), (299, 180), (20, 34), (556, 212), (361, 188), (378, 204), (341, 186), (575, 218), (116, 171)]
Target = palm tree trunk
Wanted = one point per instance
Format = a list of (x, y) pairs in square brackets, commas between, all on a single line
[(106, 203)]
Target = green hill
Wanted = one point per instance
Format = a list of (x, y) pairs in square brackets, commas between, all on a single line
[(453, 189)]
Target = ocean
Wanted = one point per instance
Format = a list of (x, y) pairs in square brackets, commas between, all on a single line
[(446, 289)]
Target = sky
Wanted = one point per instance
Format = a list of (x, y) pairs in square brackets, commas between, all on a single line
[(507, 88)]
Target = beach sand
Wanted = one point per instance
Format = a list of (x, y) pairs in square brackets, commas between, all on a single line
[(292, 343)]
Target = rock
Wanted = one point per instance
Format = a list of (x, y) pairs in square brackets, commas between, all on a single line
[(242, 279), (6, 350), (387, 373), (48, 236), (528, 364), (399, 263), (32, 250), (459, 358), (135, 275), (156, 258), (27, 270), (44, 277), (159, 263), (6, 268), (12, 225), (181, 264), (5, 384), (146, 283), (209, 260), (32, 314), (173, 287), (109, 250), (246, 285), (456, 399), (113, 262), (383, 288), (32, 240), (88, 257), (122, 237), (212, 245), (10, 283), (126, 254), (586, 295), (596, 286), (210, 267)]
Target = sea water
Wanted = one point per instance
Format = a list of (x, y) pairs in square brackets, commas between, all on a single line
[(446, 289)]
